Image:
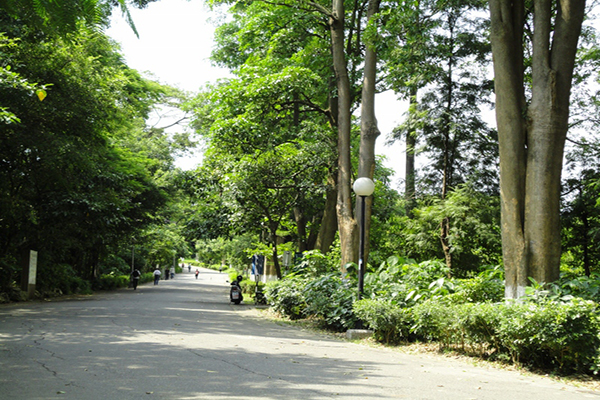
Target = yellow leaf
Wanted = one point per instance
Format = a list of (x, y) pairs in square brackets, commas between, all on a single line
[(41, 94)]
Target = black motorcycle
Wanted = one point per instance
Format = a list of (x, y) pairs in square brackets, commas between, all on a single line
[(235, 292)]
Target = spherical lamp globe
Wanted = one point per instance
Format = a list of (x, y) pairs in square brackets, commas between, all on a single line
[(363, 186)]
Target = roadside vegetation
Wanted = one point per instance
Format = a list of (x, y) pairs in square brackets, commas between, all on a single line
[(88, 175), (553, 328)]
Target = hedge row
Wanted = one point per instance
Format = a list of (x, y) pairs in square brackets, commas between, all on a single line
[(551, 333), (562, 336), (112, 282)]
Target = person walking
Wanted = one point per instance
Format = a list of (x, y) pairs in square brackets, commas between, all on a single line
[(135, 276), (197, 272), (157, 274)]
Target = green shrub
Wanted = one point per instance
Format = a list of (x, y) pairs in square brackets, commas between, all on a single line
[(478, 324), (233, 274), (147, 277), (77, 285), (389, 322), (405, 282), (315, 264), (480, 289), (249, 286), (286, 296), (567, 287), (61, 279), (436, 320), (558, 335), (330, 299), (561, 336), (111, 282)]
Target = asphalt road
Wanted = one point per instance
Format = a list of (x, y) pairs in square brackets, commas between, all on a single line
[(183, 339)]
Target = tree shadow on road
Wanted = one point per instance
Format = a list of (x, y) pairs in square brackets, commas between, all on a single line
[(181, 340)]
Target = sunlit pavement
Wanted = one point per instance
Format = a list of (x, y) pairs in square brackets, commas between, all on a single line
[(182, 339)]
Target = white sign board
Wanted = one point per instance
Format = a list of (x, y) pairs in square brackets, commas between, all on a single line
[(287, 258), (32, 266)]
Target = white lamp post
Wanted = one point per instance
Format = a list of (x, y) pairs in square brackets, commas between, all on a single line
[(363, 187)]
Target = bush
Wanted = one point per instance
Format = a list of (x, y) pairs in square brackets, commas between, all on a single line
[(330, 299), (478, 324), (436, 320), (567, 287), (406, 282), (249, 286), (478, 290), (286, 296), (563, 336), (61, 279), (315, 264), (111, 282), (233, 274), (389, 322)]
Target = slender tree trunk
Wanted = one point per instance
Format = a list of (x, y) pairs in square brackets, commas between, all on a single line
[(346, 223), (273, 233), (586, 237), (329, 223), (531, 141), (444, 233), (313, 233), (448, 157), (300, 219), (411, 143), (368, 128)]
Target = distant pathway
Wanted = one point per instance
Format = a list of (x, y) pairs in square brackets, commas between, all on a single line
[(183, 340)]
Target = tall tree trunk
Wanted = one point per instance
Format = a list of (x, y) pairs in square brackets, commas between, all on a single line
[(313, 233), (411, 143), (532, 141), (448, 156), (446, 247), (300, 219), (328, 227), (346, 223), (368, 128), (329, 221), (586, 236), (273, 233)]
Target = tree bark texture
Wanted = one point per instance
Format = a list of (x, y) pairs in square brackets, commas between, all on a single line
[(328, 227), (531, 140), (448, 154), (300, 219), (411, 144), (369, 130), (273, 234), (346, 222)]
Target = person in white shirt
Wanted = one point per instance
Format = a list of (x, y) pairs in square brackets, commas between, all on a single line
[(156, 275)]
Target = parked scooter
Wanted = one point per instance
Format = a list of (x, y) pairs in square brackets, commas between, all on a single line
[(235, 292)]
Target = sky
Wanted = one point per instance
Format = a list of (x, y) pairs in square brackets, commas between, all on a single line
[(174, 46)]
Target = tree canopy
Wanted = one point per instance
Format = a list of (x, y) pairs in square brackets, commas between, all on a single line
[(86, 181)]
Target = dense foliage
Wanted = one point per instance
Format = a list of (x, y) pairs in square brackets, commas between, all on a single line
[(82, 179), (552, 328)]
